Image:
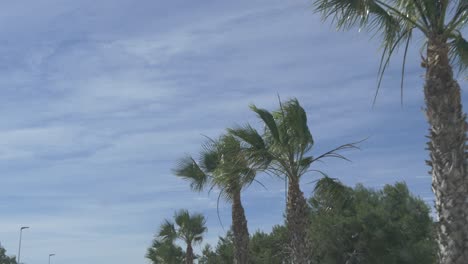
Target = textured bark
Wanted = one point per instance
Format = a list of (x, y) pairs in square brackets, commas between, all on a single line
[(447, 153), (189, 254), (298, 223), (240, 231)]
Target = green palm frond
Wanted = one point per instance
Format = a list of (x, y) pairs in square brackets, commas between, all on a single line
[(209, 157), (269, 121), (182, 218), (334, 153), (254, 146), (188, 169), (459, 18), (249, 135), (293, 125), (459, 52), (167, 231)]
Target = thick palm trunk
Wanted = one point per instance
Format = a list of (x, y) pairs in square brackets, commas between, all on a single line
[(447, 151), (298, 224), (240, 230), (189, 254)]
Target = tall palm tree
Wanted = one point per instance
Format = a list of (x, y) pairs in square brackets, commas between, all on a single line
[(284, 149), (190, 229), (221, 165), (442, 23)]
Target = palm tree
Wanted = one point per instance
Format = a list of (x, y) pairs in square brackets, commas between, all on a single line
[(190, 229), (222, 166), (441, 22), (284, 150)]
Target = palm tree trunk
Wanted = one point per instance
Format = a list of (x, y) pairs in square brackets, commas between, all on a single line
[(240, 230), (189, 254), (447, 152), (298, 224)]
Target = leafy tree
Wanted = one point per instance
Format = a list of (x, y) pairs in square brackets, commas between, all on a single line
[(208, 256), (223, 253), (349, 226), (165, 252), (388, 226), (441, 22), (4, 259), (221, 165), (190, 229), (269, 248), (285, 147)]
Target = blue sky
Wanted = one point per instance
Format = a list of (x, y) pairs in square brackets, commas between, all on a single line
[(99, 98)]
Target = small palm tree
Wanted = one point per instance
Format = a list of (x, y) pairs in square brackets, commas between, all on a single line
[(284, 150), (221, 165), (190, 229), (442, 23)]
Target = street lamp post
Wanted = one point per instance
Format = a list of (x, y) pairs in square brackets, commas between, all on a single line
[(50, 255), (19, 247)]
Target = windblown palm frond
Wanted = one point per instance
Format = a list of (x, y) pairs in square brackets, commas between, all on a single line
[(459, 52), (188, 169), (395, 21), (167, 231)]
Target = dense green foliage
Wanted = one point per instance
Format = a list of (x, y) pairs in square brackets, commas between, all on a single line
[(389, 226), (4, 258), (366, 226), (223, 253), (165, 252)]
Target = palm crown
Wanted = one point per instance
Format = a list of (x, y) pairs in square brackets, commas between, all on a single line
[(220, 164), (190, 228), (284, 148), (396, 21)]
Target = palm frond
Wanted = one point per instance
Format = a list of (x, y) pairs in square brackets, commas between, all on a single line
[(433, 12), (334, 152), (167, 231), (217, 209), (390, 46), (269, 121), (394, 20), (182, 218), (188, 169), (293, 122), (209, 156), (254, 146), (459, 52), (403, 67), (249, 135), (459, 19)]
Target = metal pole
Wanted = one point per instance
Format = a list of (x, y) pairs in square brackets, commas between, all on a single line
[(19, 247), (50, 255)]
